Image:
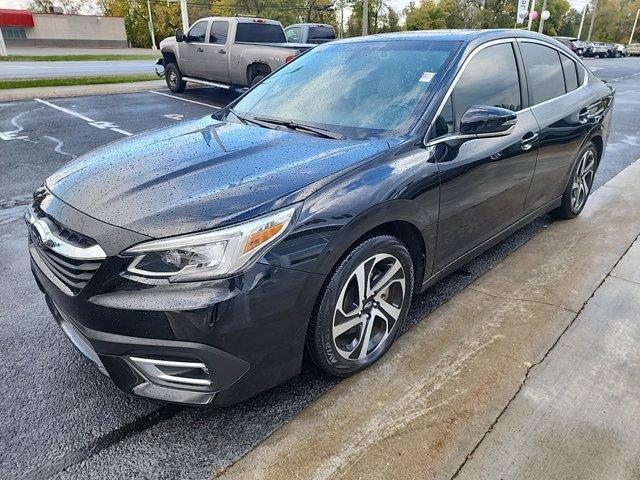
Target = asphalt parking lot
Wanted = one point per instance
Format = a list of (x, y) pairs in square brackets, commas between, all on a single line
[(58, 416)]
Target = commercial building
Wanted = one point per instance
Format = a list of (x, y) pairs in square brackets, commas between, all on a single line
[(21, 28)]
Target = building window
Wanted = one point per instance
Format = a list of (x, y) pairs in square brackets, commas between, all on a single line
[(10, 33)]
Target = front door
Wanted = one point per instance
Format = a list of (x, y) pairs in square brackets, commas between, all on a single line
[(192, 57), (484, 181)]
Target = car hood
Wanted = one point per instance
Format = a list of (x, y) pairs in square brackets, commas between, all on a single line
[(201, 174)]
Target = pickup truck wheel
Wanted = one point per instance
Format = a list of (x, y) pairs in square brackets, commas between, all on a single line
[(174, 78), (256, 79)]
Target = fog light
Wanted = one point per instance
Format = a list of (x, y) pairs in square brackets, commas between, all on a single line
[(194, 374)]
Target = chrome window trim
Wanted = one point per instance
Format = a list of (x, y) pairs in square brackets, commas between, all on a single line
[(60, 246), (478, 49)]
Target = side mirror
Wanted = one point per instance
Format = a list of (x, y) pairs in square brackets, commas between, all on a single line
[(486, 121), (180, 36)]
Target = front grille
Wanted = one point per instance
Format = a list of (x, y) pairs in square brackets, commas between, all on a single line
[(70, 256)]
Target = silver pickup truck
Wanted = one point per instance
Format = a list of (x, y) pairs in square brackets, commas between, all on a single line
[(226, 52)]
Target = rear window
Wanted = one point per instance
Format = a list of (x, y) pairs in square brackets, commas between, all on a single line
[(321, 32), (260, 33)]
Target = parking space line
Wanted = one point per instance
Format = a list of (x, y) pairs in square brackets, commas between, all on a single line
[(184, 99), (98, 124)]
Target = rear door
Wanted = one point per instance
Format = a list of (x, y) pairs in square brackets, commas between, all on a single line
[(192, 56), (484, 181), (217, 52), (563, 108)]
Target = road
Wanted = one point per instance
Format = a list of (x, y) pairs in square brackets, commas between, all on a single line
[(59, 417), (14, 70)]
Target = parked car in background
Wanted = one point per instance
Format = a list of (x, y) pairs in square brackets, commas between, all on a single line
[(618, 50), (225, 52), (310, 33), (600, 49), (633, 49), (573, 44), (199, 263)]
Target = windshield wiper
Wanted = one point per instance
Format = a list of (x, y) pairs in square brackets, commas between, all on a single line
[(250, 120), (301, 126)]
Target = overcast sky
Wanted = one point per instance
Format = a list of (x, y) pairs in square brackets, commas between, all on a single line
[(397, 4)]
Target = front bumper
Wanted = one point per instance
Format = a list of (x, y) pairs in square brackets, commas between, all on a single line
[(215, 342)]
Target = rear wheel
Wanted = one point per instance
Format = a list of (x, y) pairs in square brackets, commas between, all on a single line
[(173, 77), (362, 307), (577, 192), (257, 79)]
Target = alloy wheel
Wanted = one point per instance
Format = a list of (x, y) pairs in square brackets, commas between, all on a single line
[(583, 180), (173, 78), (368, 307)]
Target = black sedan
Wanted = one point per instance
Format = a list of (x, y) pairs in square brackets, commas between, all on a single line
[(200, 263)]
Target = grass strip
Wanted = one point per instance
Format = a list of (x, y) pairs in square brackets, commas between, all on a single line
[(67, 58), (61, 82)]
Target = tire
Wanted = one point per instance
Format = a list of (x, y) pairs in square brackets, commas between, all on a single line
[(173, 77), (580, 183), (377, 318), (258, 78)]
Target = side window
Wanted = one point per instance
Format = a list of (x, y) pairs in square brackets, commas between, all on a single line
[(581, 73), (490, 78), (570, 73), (544, 72), (444, 123), (294, 35), (197, 32), (219, 32)]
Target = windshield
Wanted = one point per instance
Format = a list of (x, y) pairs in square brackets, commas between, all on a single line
[(358, 89)]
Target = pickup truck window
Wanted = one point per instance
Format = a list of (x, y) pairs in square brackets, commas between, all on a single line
[(259, 33), (356, 89), (219, 33), (321, 32), (197, 32), (294, 34)]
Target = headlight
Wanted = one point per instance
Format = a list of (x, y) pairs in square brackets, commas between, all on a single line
[(212, 254)]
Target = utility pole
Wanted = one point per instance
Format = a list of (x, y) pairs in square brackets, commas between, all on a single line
[(635, 24), (153, 35), (365, 17), (593, 19), (584, 14), (3, 47), (533, 6), (185, 15), (541, 26)]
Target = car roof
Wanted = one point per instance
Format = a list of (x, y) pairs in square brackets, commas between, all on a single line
[(465, 36), (312, 24), (244, 20)]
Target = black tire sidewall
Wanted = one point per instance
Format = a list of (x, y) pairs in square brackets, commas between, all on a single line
[(181, 84), (320, 340)]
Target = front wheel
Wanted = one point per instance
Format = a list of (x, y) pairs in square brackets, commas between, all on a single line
[(362, 307), (173, 77), (577, 192)]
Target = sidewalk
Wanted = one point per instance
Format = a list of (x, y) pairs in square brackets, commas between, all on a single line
[(531, 372), (44, 51)]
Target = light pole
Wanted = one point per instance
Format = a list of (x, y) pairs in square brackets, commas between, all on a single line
[(153, 35), (542, 15), (533, 6), (584, 14), (593, 19), (365, 17), (635, 24)]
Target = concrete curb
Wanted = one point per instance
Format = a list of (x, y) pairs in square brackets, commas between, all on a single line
[(420, 411), (12, 94)]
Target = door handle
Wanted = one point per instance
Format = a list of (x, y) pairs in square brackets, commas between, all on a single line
[(200, 50), (528, 140), (222, 51)]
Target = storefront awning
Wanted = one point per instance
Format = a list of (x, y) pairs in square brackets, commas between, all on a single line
[(15, 18)]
